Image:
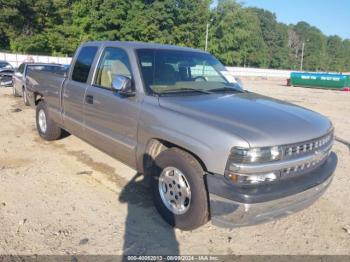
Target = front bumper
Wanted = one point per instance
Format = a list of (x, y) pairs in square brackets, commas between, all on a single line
[(235, 207), (5, 81)]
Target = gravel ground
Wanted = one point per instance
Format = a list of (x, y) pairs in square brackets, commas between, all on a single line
[(66, 197)]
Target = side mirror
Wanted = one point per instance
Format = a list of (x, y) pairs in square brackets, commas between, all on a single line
[(123, 85)]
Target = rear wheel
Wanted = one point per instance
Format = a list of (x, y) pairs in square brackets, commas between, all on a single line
[(25, 97), (179, 191), (47, 128)]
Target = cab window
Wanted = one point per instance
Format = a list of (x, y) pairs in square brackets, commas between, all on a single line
[(83, 63), (21, 68), (114, 61)]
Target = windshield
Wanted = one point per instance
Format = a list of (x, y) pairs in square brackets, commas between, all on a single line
[(5, 65), (173, 71)]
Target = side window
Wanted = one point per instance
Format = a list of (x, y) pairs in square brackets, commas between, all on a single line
[(114, 61), (83, 63), (21, 68)]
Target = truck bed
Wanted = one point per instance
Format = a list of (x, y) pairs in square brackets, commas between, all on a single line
[(49, 85)]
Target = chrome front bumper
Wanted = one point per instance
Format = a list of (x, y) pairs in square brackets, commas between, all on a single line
[(227, 211), (6, 83)]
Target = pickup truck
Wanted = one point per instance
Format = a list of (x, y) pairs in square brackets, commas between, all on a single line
[(211, 149)]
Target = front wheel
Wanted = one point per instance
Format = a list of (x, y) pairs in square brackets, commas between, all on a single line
[(179, 191), (47, 128)]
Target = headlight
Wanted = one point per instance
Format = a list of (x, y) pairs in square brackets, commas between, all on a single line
[(252, 156), (255, 155), (243, 179)]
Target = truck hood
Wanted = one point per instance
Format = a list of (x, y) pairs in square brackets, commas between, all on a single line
[(259, 120)]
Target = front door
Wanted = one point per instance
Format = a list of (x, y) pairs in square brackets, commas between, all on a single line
[(111, 119)]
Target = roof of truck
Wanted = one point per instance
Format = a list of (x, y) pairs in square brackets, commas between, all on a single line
[(141, 45)]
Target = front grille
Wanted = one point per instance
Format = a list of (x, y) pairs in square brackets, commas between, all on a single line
[(319, 148), (5, 78), (304, 168), (308, 147)]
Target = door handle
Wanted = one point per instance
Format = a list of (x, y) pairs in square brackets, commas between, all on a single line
[(89, 99)]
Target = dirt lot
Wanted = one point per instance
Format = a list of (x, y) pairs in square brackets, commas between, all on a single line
[(66, 197)]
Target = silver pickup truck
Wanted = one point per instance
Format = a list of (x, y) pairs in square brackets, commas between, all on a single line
[(211, 149)]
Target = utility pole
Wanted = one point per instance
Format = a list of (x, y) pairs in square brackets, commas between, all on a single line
[(206, 38), (302, 56)]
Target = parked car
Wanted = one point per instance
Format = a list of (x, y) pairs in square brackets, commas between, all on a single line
[(19, 77), (212, 150), (6, 72)]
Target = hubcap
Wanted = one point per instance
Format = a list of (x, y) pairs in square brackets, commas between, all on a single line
[(174, 190), (42, 121)]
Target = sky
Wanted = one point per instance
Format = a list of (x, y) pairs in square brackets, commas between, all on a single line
[(332, 17)]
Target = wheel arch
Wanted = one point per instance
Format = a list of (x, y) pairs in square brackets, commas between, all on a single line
[(155, 146), (37, 98)]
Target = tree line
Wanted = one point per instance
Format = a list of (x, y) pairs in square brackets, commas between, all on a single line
[(238, 35)]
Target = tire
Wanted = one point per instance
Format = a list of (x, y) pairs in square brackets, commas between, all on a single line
[(25, 97), (196, 211), (48, 131)]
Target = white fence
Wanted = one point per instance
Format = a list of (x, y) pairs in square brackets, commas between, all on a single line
[(260, 72), (17, 59)]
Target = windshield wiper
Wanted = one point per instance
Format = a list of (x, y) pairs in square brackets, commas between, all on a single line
[(226, 89), (187, 89)]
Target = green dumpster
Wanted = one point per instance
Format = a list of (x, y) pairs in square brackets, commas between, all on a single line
[(321, 80)]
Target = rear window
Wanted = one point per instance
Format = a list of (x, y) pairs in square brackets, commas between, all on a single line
[(83, 63)]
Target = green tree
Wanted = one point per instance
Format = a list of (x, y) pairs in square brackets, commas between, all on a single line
[(335, 54), (314, 46), (180, 22), (23, 24), (237, 37), (275, 36), (346, 44)]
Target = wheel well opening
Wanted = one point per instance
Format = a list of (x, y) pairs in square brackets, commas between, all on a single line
[(38, 98), (157, 146)]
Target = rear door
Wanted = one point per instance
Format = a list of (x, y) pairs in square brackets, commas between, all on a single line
[(111, 119), (74, 90)]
